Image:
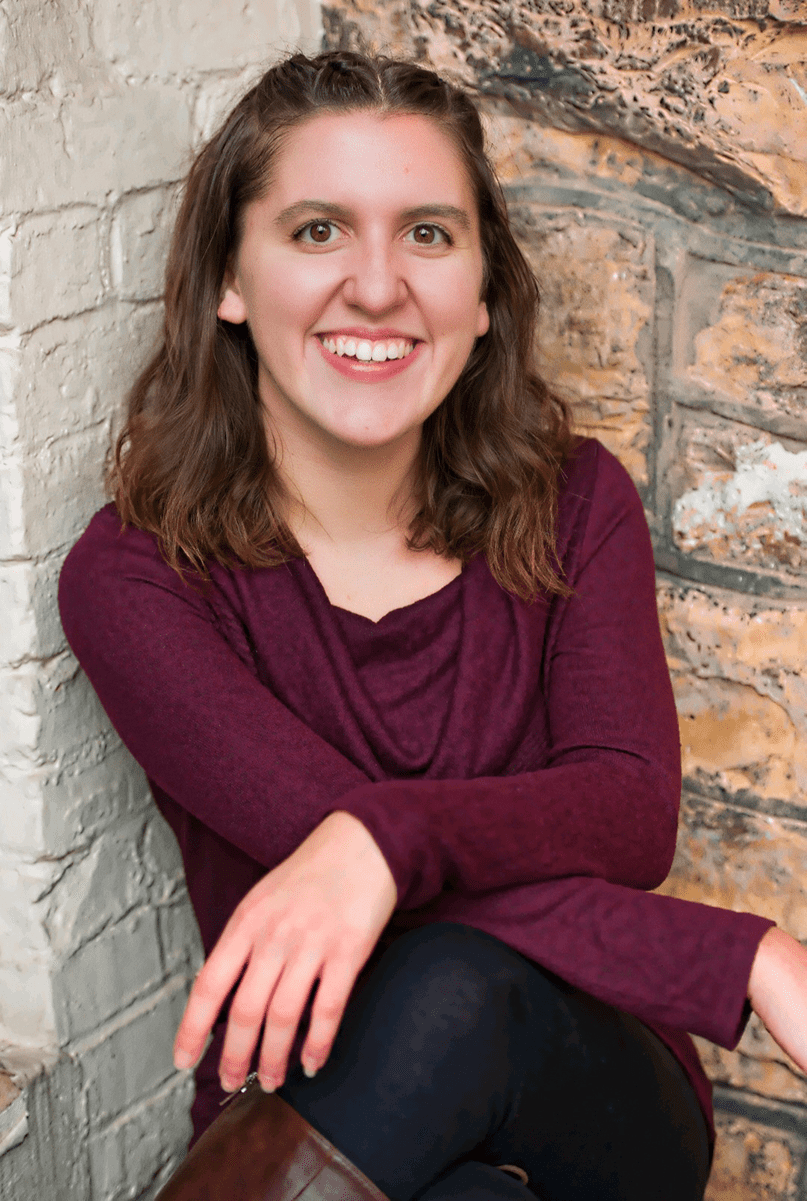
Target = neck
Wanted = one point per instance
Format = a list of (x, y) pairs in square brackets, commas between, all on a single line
[(348, 495)]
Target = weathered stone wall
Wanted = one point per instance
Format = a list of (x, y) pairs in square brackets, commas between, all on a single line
[(101, 102), (654, 154)]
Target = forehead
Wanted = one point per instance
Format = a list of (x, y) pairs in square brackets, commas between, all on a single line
[(398, 159)]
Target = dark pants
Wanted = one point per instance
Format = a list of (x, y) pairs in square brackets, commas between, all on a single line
[(457, 1054)]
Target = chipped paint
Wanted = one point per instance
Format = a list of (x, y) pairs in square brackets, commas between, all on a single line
[(762, 506)]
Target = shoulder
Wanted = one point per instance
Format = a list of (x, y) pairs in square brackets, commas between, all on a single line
[(108, 550), (597, 495), (114, 568), (593, 472)]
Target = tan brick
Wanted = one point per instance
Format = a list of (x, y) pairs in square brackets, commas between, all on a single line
[(740, 741), (753, 1163), (741, 496), (596, 282), (528, 152), (741, 860), (723, 97), (753, 350), (739, 668), (757, 1066)]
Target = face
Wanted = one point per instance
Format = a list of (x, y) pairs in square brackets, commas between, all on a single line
[(359, 274)]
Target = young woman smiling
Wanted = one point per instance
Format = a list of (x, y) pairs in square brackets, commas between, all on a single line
[(383, 635)]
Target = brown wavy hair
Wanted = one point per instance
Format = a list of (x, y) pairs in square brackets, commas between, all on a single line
[(192, 464)]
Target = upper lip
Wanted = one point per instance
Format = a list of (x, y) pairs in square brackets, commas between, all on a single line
[(369, 335)]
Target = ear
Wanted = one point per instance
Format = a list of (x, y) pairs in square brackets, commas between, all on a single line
[(231, 306), (482, 320)]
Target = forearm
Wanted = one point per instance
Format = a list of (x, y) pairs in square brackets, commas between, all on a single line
[(675, 962), (777, 990)]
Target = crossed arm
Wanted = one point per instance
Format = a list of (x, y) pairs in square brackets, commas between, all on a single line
[(338, 863)]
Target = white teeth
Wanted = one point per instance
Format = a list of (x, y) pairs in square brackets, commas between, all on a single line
[(369, 352)]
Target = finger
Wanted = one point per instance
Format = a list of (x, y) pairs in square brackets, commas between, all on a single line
[(208, 993), (247, 1015), (335, 986), (283, 1017)]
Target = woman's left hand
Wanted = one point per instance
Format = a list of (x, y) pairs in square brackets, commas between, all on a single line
[(777, 990), (316, 916)]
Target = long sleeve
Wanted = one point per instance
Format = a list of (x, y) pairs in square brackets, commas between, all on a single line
[(549, 859), (176, 674), (670, 962), (605, 803), (183, 695)]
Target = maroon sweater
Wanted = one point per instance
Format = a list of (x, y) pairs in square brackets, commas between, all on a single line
[(518, 765)]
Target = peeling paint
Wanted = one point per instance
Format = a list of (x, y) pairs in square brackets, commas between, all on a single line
[(763, 500)]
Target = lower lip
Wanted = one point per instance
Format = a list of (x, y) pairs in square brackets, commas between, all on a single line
[(368, 373)]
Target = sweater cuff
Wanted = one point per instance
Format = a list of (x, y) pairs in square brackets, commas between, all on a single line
[(403, 837)]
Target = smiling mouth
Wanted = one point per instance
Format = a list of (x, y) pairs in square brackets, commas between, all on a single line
[(362, 350)]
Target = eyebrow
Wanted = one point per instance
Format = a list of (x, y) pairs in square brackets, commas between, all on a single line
[(423, 212)]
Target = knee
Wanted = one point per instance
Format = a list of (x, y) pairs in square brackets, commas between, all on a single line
[(452, 976)]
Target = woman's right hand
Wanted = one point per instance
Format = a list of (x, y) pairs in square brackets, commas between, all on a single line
[(315, 917), (777, 990)]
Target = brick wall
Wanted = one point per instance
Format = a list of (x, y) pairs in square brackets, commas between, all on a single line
[(655, 158), (101, 103)]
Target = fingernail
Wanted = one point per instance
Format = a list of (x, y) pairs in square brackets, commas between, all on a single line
[(230, 1084), (310, 1071), (183, 1061), (267, 1083)]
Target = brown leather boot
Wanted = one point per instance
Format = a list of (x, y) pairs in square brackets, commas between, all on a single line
[(260, 1149)]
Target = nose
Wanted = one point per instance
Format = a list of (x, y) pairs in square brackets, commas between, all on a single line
[(375, 282)]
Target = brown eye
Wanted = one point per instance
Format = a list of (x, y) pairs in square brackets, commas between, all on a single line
[(317, 232), (429, 235)]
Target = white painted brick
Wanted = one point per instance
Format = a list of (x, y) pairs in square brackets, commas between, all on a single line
[(21, 934), (55, 266), (99, 887), (7, 236), (62, 720), (42, 577), (12, 506), (22, 810), (106, 974), (216, 97), (26, 1007), (139, 236), (37, 700), (180, 940), (74, 373), (126, 1155), (80, 150), (163, 37), (127, 1060), (90, 795), (162, 859), (61, 46), (18, 637), (63, 483), (19, 731)]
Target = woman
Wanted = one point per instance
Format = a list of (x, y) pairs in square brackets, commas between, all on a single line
[(383, 636)]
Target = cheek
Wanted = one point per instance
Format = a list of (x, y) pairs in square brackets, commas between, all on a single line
[(453, 304)]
